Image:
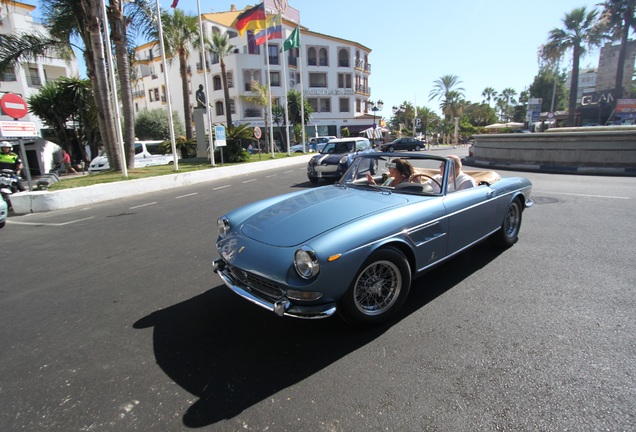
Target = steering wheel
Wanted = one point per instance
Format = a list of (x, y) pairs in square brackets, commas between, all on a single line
[(435, 181)]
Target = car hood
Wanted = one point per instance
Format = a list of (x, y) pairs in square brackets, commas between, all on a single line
[(297, 219), (331, 158)]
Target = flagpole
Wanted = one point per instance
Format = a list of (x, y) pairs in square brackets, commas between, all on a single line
[(205, 85), (269, 96), (280, 20), (173, 146), (302, 91)]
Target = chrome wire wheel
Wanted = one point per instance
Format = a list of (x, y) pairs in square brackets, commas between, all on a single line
[(512, 220), (377, 288)]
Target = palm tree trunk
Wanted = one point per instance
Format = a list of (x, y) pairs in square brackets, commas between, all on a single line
[(574, 85), (100, 82), (118, 33), (187, 111), (622, 52), (226, 95)]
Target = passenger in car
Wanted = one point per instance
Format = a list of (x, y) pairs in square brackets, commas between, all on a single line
[(458, 179), (400, 171)]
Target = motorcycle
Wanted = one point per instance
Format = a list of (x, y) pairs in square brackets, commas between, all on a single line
[(8, 185)]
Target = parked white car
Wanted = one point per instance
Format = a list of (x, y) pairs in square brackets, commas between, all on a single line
[(147, 153)]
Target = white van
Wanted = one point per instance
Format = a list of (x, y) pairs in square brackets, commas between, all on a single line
[(147, 153)]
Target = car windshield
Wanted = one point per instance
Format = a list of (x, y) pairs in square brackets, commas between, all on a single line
[(338, 147), (428, 170)]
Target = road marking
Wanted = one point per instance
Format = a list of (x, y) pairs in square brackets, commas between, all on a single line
[(143, 205), (590, 196), (249, 181), (187, 195), (221, 187), (272, 175), (49, 224), (287, 172)]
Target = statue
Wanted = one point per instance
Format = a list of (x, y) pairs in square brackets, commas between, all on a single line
[(200, 96)]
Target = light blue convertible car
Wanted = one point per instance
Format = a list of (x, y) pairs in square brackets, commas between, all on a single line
[(354, 247)]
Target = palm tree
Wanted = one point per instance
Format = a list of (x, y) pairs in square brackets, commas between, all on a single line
[(260, 98), (441, 91), (618, 19), (579, 31), (489, 94), (221, 47), (180, 31)]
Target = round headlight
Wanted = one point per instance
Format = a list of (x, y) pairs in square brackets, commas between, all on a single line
[(306, 263), (343, 160), (223, 226)]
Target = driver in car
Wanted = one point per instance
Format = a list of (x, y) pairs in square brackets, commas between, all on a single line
[(458, 179)]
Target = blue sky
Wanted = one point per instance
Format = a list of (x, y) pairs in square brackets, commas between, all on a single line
[(486, 43)]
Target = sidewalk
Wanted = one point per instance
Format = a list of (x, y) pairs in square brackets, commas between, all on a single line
[(43, 201)]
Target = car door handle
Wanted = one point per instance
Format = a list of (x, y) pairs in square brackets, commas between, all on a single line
[(490, 193)]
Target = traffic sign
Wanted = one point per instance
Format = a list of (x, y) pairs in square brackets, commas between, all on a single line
[(257, 132), (13, 105), (17, 129)]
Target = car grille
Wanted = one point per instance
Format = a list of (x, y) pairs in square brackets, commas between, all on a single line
[(258, 283)]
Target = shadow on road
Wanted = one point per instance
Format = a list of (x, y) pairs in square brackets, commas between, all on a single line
[(233, 354)]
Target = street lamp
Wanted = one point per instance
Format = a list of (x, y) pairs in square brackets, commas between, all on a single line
[(375, 107)]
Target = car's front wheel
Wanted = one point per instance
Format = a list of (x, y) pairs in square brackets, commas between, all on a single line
[(417, 148), (391, 149), (508, 234), (379, 289)]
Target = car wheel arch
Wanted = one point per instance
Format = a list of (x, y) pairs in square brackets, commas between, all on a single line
[(401, 246)]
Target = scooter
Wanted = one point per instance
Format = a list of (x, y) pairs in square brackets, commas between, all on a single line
[(8, 185)]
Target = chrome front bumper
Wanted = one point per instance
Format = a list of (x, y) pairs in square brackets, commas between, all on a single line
[(281, 306)]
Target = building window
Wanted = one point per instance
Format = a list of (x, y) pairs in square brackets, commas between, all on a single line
[(311, 56), (273, 54), (156, 94), (274, 79), (344, 104), (325, 105), (323, 58), (230, 79), (150, 95), (232, 110), (8, 76), (33, 79), (320, 104), (343, 58), (344, 81), (219, 108), (318, 80), (216, 82)]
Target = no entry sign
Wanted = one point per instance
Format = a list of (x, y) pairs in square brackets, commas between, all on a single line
[(13, 105)]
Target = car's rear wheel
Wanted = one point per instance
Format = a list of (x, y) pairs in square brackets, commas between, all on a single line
[(417, 148), (391, 149), (379, 289), (508, 234)]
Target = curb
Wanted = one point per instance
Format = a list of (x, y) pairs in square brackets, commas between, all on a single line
[(43, 201)]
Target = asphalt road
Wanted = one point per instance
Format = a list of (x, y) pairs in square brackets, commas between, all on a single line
[(111, 319)]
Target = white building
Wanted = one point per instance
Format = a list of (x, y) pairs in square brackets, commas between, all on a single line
[(28, 77), (334, 73)]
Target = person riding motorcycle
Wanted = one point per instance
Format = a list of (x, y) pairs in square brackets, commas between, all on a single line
[(11, 161)]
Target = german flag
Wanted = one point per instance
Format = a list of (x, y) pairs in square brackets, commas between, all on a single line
[(251, 19)]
